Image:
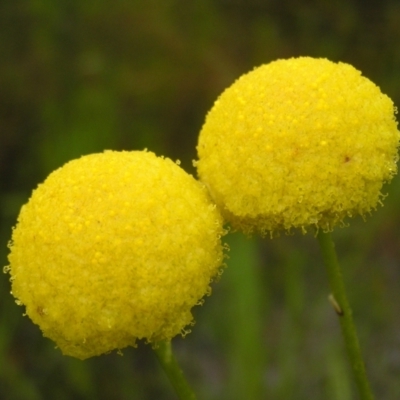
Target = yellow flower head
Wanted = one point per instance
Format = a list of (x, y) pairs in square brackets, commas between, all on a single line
[(298, 142), (115, 247)]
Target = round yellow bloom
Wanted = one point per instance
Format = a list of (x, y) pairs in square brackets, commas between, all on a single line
[(298, 142), (115, 247)]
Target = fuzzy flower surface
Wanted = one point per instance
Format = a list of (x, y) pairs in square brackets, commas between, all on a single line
[(296, 143), (115, 247)]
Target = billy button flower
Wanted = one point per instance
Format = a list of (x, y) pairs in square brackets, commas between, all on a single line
[(297, 143), (115, 247)]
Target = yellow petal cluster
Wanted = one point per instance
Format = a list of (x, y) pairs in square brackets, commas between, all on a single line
[(296, 143), (115, 247)]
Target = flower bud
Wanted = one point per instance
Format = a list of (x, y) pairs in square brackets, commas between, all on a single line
[(297, 143), (115, 247)]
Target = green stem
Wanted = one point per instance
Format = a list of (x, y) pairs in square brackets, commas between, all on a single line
[(343, 309), (171, 367)]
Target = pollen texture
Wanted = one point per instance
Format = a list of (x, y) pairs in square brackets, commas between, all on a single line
[(297, 143), (115, 247)]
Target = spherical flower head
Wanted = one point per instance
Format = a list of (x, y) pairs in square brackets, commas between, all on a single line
[(297, 143), (115, 247)]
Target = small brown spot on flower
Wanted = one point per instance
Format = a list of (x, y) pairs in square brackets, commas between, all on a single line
[(40, 311)]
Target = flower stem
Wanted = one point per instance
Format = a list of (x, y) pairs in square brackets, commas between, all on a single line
[(163, 351), (342, 307)]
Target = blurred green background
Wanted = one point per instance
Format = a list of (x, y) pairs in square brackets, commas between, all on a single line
[(78, 77)]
